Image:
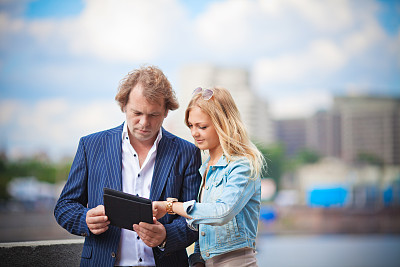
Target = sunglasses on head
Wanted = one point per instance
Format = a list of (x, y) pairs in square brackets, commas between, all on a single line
[(206, 93)]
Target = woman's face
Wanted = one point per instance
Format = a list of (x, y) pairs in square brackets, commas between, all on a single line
[(202, 130)]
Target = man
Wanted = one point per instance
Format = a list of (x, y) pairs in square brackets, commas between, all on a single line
[(137, 157)]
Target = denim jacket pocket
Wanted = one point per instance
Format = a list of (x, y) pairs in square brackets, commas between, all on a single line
[(217, 187), (227, 233)]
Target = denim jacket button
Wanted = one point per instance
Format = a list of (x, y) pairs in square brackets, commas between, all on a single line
[(208, 254), (202, 233), (207, 187), (213, 168)]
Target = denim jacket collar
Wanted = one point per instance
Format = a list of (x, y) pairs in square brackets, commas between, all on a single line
[(222, 162)]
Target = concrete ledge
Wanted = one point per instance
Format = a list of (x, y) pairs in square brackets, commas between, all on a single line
[(42, 253)]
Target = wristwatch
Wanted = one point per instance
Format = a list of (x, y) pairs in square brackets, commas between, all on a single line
[(170, 200)]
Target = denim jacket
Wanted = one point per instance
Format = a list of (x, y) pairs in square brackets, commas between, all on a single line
[(227, 217)]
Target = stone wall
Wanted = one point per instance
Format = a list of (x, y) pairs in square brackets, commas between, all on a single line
[(41, 253)]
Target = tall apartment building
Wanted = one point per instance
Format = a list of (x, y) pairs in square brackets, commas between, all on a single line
[(369, 125), (355, 125), (292, 133), (254, 111), (324, 133)]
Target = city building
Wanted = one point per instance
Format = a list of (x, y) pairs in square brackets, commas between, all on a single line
[(324, 133), (356, 128), (253, 109), (369, 126), (292, 133)]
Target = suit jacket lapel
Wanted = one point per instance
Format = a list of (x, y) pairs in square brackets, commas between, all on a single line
[(166, 151), (113, 155)]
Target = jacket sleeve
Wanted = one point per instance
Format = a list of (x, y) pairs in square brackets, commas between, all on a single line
[(71, 208), (179, 236), (239, 189)]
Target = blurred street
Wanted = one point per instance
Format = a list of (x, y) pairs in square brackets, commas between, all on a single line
[(39, 224), (30, 226)]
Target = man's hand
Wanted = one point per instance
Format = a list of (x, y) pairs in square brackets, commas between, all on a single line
[(151, 234), (159, 209), (97, 220)]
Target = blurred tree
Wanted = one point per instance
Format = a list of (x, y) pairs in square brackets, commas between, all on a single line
[(275, 158), (306, 156), (62, 171), (369, 158), (42, 170), (4, 178)]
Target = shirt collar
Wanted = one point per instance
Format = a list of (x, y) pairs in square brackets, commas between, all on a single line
[(125, 134)]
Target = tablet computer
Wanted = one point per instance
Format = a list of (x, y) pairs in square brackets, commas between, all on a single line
[(124, 210)]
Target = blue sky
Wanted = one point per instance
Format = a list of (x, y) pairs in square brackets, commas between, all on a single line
[(61, 61)]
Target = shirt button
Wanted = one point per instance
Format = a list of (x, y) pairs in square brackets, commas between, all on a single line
[(138, 175), (113, 254), (140, 260), (202, 233), (134, 155), (138, 237), (208, 254)]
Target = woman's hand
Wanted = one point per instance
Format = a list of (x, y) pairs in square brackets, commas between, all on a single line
[(159, 209)]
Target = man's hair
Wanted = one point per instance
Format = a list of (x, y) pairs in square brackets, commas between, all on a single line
[(231, 131), (155, 87)]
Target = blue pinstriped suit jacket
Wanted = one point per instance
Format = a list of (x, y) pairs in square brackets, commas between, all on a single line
[(97, 164)]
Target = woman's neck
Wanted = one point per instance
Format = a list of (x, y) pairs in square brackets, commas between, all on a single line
[(215, 155)]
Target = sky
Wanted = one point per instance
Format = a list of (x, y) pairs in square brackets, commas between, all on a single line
[(61, 61)]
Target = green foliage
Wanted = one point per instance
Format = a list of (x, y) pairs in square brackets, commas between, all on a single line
[(306, 156), (369, 158), (279, 164), (275, 158), (43, 171)]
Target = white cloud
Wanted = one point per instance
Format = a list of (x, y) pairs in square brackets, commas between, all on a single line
[(321, 57), (126, 30), (227, 25), (330, 16), (300, 104), (54, 125)]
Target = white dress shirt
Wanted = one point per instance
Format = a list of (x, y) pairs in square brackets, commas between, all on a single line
[(136, 180)]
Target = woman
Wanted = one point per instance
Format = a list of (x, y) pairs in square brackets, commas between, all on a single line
[(228, 207)]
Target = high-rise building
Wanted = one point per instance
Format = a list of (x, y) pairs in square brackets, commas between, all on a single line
[(370, 126), (253, 110), (356, 126), (324, 133), (292, 133)]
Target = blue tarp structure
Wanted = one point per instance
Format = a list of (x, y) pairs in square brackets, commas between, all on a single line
[(327, 197)]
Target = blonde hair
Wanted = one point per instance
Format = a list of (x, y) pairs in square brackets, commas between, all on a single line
[(232, 134)]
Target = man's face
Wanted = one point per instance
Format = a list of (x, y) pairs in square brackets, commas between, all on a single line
[(144, 118)]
